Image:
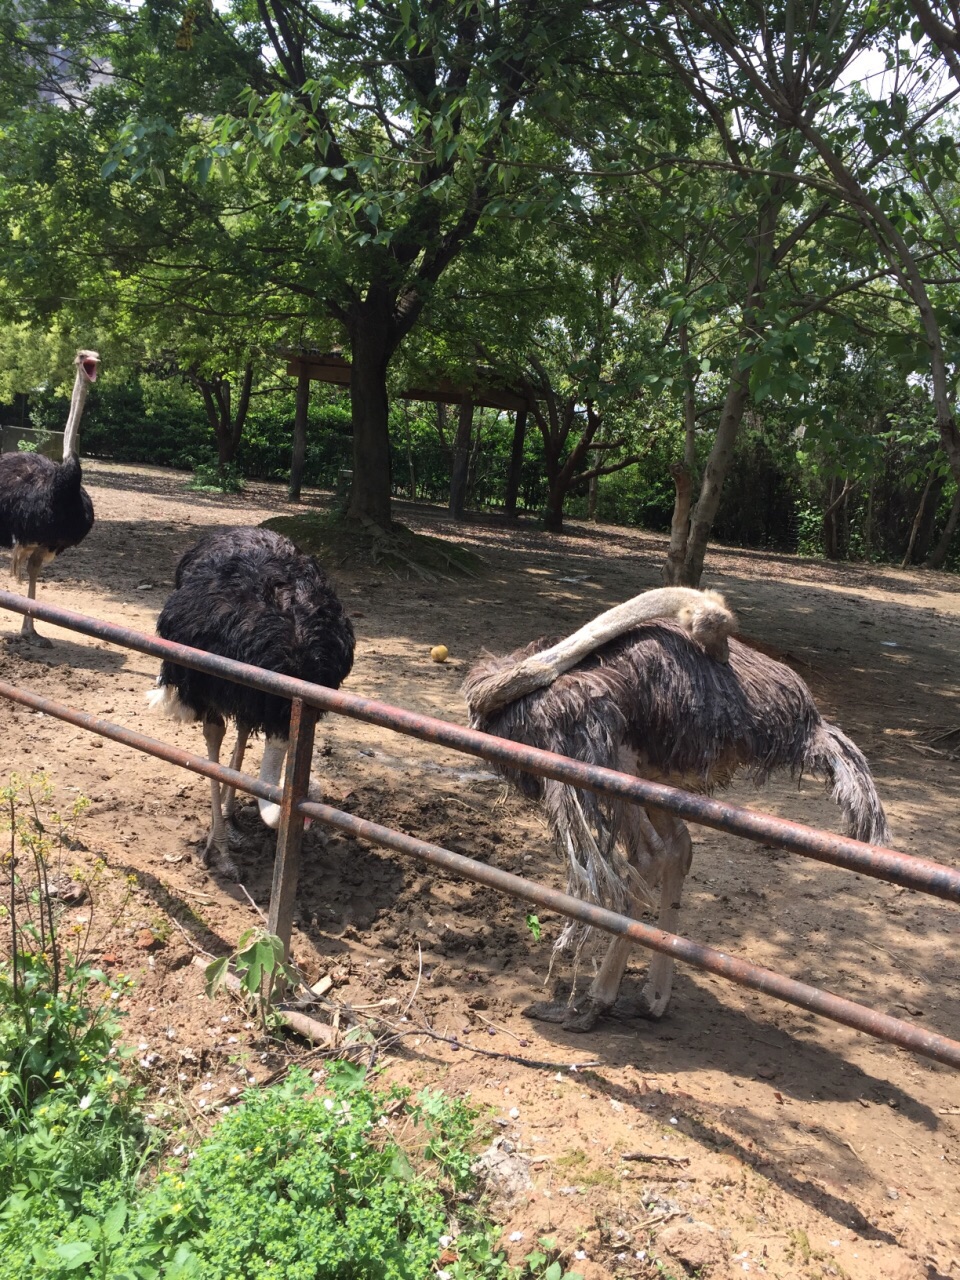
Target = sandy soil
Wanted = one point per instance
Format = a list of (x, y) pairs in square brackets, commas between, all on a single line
[(798, 1148)]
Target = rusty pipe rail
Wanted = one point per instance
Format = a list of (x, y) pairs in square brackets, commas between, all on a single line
[(742, 972), (921, 874)]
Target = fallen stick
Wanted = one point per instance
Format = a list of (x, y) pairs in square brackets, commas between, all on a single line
[(650, 1158)]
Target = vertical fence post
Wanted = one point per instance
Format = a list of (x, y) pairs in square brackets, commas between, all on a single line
[(286, 868)]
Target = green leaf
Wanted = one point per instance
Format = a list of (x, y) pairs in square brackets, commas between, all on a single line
[(75, 1254), (214, 976)]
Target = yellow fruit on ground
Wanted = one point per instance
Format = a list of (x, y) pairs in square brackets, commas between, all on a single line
[(439, 653)]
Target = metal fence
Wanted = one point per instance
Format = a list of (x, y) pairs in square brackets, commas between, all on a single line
[(308, 700)]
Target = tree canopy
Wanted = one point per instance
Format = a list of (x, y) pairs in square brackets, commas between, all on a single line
[(670, 227)]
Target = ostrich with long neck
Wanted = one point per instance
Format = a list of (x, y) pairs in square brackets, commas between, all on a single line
[(651, 701), (250, 595), (43, 506)]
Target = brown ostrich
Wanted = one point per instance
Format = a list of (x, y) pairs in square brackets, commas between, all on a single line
[(653, 703)]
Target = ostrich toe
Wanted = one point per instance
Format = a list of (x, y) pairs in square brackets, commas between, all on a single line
[(653, 1003), (580, 1017), (32, 638), (216, 854)]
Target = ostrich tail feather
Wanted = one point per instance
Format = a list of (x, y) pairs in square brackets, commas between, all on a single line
[(831, 753), (165, 700)]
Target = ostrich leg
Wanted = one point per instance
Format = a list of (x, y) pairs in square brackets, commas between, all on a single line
[(229, 796), (34, 563), (659, 843), (676, 837), (213, 732)]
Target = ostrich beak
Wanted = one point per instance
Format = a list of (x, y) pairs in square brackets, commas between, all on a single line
[(89, 364)]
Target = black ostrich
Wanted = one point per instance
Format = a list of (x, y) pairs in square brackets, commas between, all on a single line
[(43, 507), (250, 595)]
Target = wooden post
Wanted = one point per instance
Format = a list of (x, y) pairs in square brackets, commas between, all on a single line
[(460, 466), (299, 435), (286, 868), (516, 462)]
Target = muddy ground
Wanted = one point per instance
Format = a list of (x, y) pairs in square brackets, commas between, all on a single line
[(798, 1148)]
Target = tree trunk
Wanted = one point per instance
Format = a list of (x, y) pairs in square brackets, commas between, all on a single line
[(299, 455), (928, 523), (516, 464), (371, 346), (553, 511), (227, 426), (683, 477), (831, 535), (868, 521), (460, 464), (908, 554), (672, 571), (715, 472), (937, 557), (411, 466), (593, 491)]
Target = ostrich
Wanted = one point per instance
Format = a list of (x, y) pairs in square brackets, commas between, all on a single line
[(250, 595), (43, 507), (652, 702)]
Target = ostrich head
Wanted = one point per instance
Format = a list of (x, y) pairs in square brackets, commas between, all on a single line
[(88, 366), (710, 622)]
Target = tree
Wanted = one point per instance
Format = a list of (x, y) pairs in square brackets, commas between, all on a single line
[(870, 154), (384, 134)]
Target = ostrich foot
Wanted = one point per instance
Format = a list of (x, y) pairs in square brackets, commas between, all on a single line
[(217, 856), (582, 1016), (652, 1003), (32, 638)]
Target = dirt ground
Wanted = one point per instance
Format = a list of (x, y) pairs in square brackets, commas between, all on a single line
[(796, 1147)]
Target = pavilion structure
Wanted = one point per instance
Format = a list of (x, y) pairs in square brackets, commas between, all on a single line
[(334, 369)]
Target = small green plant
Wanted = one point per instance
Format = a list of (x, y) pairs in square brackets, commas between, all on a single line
[(27, 446), (68, 1115), (544, 1263), (261, 968), (215, 477), (533, 924)]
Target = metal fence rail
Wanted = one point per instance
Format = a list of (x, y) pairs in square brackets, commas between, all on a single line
[(917, 873), (904, 869)]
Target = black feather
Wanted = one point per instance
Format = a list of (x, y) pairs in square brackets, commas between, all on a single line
[(251, 595), (42, 503)]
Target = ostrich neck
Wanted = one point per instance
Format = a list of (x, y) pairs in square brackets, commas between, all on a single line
[(72, 430)]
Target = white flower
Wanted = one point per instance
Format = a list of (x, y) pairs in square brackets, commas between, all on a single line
[(328, 1104), (445, 1241), (443, 1275), (580, 1255), (640, 1254), (516, 1235), (673, 1120)]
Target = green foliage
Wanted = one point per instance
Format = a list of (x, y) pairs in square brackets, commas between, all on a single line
[(260, 968), (68, 1114), (216, 477), (532, 922), (293, 1183)]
